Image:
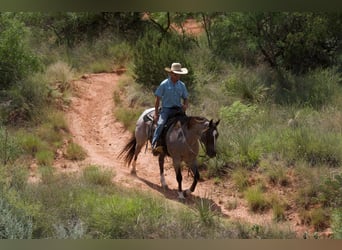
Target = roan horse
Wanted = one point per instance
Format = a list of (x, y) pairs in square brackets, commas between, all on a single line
[(182, 143)]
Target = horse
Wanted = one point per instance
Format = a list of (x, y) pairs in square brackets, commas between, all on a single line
[(182, 144)]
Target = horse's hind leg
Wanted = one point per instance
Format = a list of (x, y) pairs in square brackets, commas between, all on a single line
[(136, 153), (161, 168)]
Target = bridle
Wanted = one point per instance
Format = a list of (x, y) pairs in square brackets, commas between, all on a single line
[(213, 131)]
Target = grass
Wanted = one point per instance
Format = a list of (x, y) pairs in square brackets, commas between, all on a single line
[(204, 208), (45, 157), (90, 206), (93, 175), (30, 142), (276, 175), (128, 117), (240, 179), (256, 199), (75, 152)]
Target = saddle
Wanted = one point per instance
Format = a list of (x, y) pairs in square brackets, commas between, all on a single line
[(178, 115)]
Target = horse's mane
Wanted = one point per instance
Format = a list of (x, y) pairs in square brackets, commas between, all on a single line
[(192, 120)]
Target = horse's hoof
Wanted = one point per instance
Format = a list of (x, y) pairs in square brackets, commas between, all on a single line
[(181, 196), (187, 192), (133, 172), (165, 187)]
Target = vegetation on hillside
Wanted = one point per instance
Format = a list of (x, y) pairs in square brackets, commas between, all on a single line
[(272, 78)]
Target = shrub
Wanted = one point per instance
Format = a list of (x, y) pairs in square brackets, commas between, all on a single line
[(45, 157), (72, 229), (61, 74), (26, 101), (240, 178), (50, 132), (314, 89), (247, 84), (75, 152), (320, 219), (16, 59), (336, 223), (278, 207), (14, 224), (154, 52), (238, 114), (128, 117), (9, 147), (93, 175), (330, 191), (18, 175), (241, 122), (277, 175), (30, 142), (257, 202), (317, 147), (204, 208)]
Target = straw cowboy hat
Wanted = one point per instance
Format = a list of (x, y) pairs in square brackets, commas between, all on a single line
[(177, 69)]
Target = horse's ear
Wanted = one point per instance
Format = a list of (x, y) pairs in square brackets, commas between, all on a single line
[(218, 121), (211, 123)]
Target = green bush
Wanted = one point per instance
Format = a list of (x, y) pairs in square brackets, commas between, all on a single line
[(249, 85), (9, 147), (315, 89), (30, 142), (240, 179), (75, 152), (26, 101), (128, 117), (230, 42), (94, 175), (154, 52), (16, 59), (240, 120), (45, 157), (14, 224), (238, 113), (257, 201), (337, 223), (320, 219), (317, 147)]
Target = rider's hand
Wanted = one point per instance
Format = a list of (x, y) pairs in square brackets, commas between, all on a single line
[(184, 107), (155, 118)]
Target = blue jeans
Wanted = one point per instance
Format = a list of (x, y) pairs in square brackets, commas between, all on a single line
[(164, 115)]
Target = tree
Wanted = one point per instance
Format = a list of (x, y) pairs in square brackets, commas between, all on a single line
[(297, 42), (16, 59), (153, 53), (71, 28)]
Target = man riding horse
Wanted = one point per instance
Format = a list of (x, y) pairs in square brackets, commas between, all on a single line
[(170, 92)]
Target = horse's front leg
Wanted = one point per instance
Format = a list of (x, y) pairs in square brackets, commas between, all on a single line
[(161, 170), (194, 169), (178, 170)]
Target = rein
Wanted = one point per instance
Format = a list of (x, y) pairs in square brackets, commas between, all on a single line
[(204, 149)]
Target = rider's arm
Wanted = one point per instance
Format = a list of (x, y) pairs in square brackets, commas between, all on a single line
[(156, 108), (185, 104)]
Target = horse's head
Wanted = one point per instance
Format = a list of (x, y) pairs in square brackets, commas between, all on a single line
[(209, 138)]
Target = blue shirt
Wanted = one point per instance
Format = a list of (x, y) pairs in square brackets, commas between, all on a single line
[(171, 93)]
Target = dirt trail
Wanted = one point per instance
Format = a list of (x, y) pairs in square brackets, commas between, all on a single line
[(94, 127)]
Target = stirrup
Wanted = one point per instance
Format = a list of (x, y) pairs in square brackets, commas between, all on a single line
[(157, 149)]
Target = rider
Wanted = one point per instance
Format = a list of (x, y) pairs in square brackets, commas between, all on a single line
[(170, 91)]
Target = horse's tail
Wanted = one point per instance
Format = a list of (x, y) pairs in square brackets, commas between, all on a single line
[(128, 151)]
